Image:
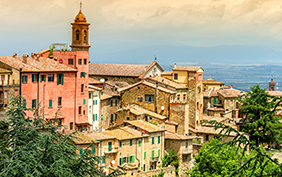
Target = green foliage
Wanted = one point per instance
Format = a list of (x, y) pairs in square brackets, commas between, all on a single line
[(27, 151), (161, 174), (51, 47), (171, 158), (259, 109)]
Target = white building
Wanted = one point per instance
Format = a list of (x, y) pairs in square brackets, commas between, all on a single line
[(94, 105)]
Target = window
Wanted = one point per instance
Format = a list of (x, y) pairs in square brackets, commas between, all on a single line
[(199, 77), (153, 154), (43, 78), (132, 159), (153, 140), (24, 103), (70, 61), (139, 99), (84, 101), (77, 35), (112, 118), (89, 96), (50, 103), (34, 104), (80, 151), (94, 102), (207, 137), (2, 77), (120, 144), (82, 74), (71, 125), (24, 79), (109, 146), (51, 78), (84, 36), (34, 78), (60, 78), (79, 61), (178, 97), (159, 152), (159, 139), (95, 117), (184, 97), (199, 89), (84, 61), (82, 86), (59, 101), (214, 101), (111, 103), (145, 155), (16, 92), (130, 142), (149, 98), (116, 102), (175, 76), (139, 143), (79, 110)]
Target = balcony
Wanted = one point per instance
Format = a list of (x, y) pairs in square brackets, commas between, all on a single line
[(154, 159), (112, 150)]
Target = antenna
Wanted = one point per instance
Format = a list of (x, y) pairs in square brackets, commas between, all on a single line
[(80, 5), (155, 57)]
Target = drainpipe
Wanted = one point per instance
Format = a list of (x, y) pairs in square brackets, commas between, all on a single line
[(75, 85), (37, 94), (156, 99), (20, 83), (43, 98), (136, 154)]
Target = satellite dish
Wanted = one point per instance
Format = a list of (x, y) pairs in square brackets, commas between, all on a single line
[(102, 80), (113, 162), (162, 108)]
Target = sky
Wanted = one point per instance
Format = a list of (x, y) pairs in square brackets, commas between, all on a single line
[(134, 31)]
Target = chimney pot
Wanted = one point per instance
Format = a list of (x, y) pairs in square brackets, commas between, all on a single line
[(14, 54), (174, 65)]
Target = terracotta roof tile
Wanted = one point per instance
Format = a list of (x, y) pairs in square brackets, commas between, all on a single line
[(229, 93), (145, 126), (168, 82), (167, 73), (212, 81), (138, 110), (130, 70), (40, 64), (275, 93), (210, 93), (187, 68), (175, 136), (83, 138), (93, 81)]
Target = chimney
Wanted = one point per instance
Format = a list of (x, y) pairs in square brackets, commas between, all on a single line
[(25, 58), (33, 55), (174, 65), (14, 55)]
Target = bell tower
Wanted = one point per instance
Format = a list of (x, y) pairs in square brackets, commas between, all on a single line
[(271, 85), (80, 33)]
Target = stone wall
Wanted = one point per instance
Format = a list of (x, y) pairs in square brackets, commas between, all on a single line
[(177, 114), (169, 172)]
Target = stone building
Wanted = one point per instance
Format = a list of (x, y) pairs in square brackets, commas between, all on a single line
[(94, 107), (192, 77), (212, 84), (130, 73)]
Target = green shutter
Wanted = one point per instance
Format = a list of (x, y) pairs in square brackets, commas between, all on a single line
[(159, 139), (58, 76), (23, 79), (93, 150), (50, 103), (62, 78), (84, 101), (153, 140), (103, 159), (44, 78), (24, 103), (93, 117), (153, 154), (214, 101), (130, 142), (144, 155), (139, 143), (159, 152), (93, 102), (133, 159), (80, 151), (34, 104), (122, 160), (127, 159), (81, 74)]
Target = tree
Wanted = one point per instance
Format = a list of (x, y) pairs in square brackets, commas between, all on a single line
[(259, 109), (224, 160), (171, 158), (27, 151)]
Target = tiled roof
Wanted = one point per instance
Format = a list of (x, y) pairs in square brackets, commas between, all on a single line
[(93, 81), (229, 93), (212, 81), (275, 93), (100, 136), (118, 84), (2, 70), (94, 88), (105, 96), (83, 138), (138, 110), (175, 136), (167, 73), (145, 126), (187, 68), (211, 130), (130, 70), (124, 133), (149, 67), (148, 84), (40, 64), (168, 82)]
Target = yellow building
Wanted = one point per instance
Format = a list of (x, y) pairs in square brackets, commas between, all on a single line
[(212, 84)]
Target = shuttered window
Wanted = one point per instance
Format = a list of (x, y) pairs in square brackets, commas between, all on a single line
[(50, 103), (145, 155), (153, 140), (34, 104), (60, 78), (159, 139)]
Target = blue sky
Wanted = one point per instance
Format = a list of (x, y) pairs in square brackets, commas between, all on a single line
[(123, 31)]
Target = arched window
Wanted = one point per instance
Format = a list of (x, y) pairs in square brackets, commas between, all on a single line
[(84, 35), (77, 34)]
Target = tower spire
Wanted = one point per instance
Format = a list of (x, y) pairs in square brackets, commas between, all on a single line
[(80, 5)]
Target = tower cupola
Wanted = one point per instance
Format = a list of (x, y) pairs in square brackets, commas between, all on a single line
[(80, 33)]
